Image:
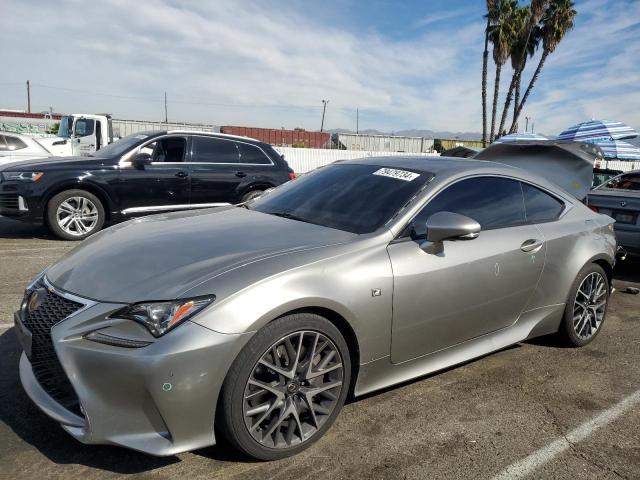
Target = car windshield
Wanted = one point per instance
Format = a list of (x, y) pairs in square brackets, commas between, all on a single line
[(351, 197), (120, 147)]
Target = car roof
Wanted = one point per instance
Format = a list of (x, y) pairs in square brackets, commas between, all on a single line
[(213, 134)]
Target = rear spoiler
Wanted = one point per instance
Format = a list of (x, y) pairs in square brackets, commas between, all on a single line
[(567, 164)]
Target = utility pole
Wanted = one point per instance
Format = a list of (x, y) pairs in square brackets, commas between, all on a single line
[(28, 97), (357, 121), (324, 109), (526, 125), (165, 108)]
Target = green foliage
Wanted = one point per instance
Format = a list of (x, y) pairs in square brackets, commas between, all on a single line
[(53, 129)]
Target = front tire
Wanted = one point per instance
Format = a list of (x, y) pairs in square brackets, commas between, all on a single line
[(586, 308), (286, 387), (75, 214)]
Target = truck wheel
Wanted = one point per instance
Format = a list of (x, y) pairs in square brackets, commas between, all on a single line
[(75, 214)]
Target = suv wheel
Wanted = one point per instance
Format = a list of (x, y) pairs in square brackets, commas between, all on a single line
[(286, 387), (251, 195), (75, 214)]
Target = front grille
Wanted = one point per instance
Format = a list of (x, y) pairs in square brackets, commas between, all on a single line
[(9, 202), (46, 366)]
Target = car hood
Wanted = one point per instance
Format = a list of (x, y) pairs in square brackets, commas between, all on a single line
[(163, 256), (56, 163)]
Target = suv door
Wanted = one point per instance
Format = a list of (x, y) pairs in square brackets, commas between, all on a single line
[(475, 286), (161, 186), (222, 169)]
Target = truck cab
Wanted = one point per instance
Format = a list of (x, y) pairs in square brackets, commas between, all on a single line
[(80, 134)]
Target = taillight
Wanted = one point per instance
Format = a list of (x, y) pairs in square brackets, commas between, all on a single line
[(595, 209), (292, 175)]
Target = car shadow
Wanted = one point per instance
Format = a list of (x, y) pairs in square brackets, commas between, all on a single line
[(36, 429), (628, 270), (15, 229)]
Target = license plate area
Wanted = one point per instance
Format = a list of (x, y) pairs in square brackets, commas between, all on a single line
[(625, 217), (24, 336)]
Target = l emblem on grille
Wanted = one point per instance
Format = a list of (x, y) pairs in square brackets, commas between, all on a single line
[(623, 203), (36, 299)]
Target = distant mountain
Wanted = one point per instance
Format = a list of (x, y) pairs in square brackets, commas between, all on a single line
[(415, 133)]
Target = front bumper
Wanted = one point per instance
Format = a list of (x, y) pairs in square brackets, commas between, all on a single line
[(159, 399), (18, 200)]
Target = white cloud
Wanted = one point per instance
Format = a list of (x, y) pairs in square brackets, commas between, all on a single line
[(248, 63)]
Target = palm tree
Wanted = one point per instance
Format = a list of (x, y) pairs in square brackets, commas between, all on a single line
[(556, 22), (524, 43), (499, 36), (491, 17)]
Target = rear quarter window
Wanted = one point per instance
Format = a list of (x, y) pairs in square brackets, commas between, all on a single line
[(14, 143), (540, 206), (252, 154)]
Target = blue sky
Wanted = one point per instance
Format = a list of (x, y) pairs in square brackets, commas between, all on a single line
[(409, 64)]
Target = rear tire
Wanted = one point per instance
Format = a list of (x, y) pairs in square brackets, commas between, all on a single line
[(271, 413), (251, 195), (586, 307), (75, 214)]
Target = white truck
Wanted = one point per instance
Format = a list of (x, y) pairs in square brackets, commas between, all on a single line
[(81, 134)]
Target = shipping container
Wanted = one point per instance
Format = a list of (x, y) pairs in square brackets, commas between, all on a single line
[(281, 137)]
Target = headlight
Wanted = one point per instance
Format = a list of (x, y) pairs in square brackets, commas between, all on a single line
[(160, 317), (22, 176)]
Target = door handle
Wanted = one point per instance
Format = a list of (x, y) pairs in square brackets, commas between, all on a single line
[(241, 174), (182, 174), (531, 245)]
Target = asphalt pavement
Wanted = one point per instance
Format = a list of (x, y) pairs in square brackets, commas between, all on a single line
[(535, 410)]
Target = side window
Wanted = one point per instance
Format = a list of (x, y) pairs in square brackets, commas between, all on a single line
[(84, 127), (492, 202), (214, 150), (252, 154), (14, 143), (540, 206), (169, 149), (3, 144), (629, 181)]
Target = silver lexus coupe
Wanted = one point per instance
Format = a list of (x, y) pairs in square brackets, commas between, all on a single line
[(256, 322)]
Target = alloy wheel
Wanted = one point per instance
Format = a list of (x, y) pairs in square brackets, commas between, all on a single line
[(293, 389), (77, 216), (590, 305)]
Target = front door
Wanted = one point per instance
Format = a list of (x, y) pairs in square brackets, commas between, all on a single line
[(84, 139), (163, 185), (473, 287)]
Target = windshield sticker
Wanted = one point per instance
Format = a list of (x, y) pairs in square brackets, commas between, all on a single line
[(397, 174)]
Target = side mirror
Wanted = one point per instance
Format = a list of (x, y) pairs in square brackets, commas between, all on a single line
[(140, 160), (448, 226)]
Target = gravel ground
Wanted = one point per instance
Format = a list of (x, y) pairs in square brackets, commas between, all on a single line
[(527, 407)]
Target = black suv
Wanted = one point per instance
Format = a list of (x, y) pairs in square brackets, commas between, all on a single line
[(143, 173)]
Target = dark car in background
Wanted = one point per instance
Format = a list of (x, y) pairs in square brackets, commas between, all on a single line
[(602, 175), (143, 173), (620, 199)]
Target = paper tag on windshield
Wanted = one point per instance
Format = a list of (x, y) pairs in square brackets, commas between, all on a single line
[(397, 174)]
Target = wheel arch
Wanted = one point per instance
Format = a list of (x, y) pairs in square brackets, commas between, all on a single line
[(606, 263), (89, 187)]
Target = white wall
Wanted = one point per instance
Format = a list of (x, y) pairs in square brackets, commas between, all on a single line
[(303, 160)]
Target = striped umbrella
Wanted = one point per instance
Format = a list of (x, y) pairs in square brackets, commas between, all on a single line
[(620, 150), (595, 131), (515, 137)]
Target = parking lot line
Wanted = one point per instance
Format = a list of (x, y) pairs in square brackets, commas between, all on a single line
[(527, 465)]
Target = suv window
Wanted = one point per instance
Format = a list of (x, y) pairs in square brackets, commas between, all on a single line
[(492, 202), (252, 154), (3, 144), (630, 181), (540, 206), (168, 149), (14, 143), (84, 127), (214, 150)]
